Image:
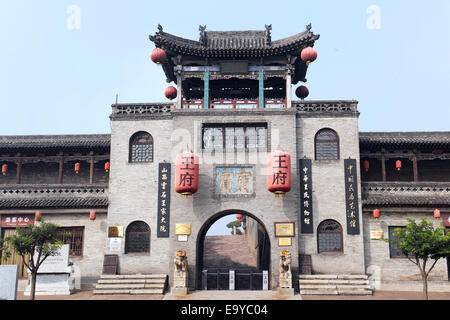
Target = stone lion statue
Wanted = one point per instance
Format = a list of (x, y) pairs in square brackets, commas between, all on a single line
[(285, 269), (181, 263)]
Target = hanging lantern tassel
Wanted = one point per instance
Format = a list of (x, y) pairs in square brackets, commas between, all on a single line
[(437, 214), (92, 215), (4, 169), (107, 166), (77, 167), (376, 214)]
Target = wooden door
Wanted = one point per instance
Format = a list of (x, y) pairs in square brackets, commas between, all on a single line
[(15, 258)]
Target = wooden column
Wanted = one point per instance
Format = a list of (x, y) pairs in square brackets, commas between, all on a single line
[(383, 168), (179, 94), (60, 171), (91, 170), (19, 166), (261, 90), (206, 90), (288, 89), (416, 171)]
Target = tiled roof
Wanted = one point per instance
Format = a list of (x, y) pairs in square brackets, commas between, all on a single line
[(404, 139), (57, 203), (36, 142), (233, 43), (404, 200), (422, 194), (53, 196)]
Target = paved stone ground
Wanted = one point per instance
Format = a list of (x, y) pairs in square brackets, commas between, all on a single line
[(244, 295)]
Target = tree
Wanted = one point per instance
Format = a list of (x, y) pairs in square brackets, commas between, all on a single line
[(421, 243), (37, 241), (235, 225)]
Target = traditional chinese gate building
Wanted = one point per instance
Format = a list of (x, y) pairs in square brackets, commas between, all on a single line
[(232, 111)]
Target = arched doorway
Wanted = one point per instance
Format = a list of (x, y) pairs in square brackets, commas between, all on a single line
[(213, 273)]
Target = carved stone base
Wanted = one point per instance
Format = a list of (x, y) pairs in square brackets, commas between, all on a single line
[(179, 291), (286, 291)]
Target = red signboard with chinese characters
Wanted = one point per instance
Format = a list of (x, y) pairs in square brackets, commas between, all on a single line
[(17, 220)]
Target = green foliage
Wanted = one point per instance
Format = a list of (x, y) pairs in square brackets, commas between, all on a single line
[(422, 240), (234, 225), (42, 239)]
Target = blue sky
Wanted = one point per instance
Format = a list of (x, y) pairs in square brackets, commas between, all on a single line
[(54, 80)]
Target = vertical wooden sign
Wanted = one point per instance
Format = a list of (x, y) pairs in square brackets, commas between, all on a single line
[(163, 200), (306, 203), (351, 196)]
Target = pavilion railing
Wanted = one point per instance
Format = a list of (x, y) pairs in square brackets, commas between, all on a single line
[(132, 110)]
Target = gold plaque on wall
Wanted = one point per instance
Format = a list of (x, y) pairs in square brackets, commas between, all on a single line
[(376, 234), (284, 229), (284, 242), (183, 228)]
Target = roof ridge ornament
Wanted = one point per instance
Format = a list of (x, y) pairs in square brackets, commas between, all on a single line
[(202, 30), (268, 35)]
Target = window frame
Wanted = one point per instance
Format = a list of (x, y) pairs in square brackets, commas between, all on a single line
[(127, 232), (341, 233), (391, 230), (133, 137), (337, 141), (69, 229), (245, 126)]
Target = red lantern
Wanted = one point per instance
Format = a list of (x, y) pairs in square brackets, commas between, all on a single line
[(376, 214), (170, 93), (398, 165), (186, 173), (366, 165), (158, 56), (92, 215), (77, 167), (279, 173), (107, 166), (308, 55), (4, 169), (38, 216), (239, 217), (302, 92), (437, 214)]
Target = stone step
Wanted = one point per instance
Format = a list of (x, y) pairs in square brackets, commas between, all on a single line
[(130, 286), (119, 281), (133, 276), (333, 281), (334, 287), (334, 276), (129, 291), (343, 292)]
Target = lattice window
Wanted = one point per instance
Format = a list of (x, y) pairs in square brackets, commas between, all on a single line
[(327, 145), (233, 136), (137, 238), (141, 147), (73, 236), (329, 237)]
